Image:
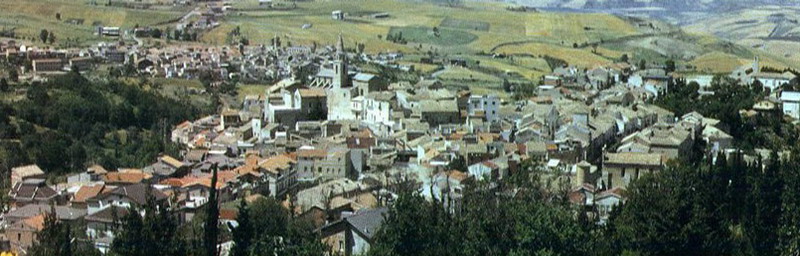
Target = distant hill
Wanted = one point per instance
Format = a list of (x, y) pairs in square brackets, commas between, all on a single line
[(667, 5), (773, 29)]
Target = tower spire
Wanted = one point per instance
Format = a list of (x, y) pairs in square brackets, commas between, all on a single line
[(340, 44), (340, 65)]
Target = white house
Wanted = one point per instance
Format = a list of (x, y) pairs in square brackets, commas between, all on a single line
[(339, 104), (791, 104), (488, 104), (377, 112), (772, 80), (607, 200), (493, 169)]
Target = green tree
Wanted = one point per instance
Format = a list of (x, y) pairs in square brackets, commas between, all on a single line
[(507, 85), (669, 66), (13, 75), (155, 233), (54, 239), (4, 85), (243, 234), (43, 35), (410, 229), (788, 238)]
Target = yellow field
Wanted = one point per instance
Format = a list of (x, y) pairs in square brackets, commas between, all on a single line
[(421, 67), (717, 62), (529, 35), (504, 26), (467, 75), (577, 28), (577, 57), (529, 68), (250, 89)]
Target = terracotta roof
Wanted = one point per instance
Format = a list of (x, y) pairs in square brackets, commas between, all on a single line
[(97, 169), (253, 198), (274, 163), (172, 182), (457, 175), (86, 192), (319, 153), (184, 124), (127, 177), (228, 214), (634, 158), (490, 164), (617, 191), (205, 180), (36, 222), (172, 161), (47, 61), (27, 171), (576, 197), (252, 160), (316, 92), (487, 137)]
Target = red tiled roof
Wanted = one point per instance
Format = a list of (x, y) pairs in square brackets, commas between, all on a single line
[(86, 192)]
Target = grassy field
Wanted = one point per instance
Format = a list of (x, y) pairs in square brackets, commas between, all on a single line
[(751, 28), (579, 57), (465, 24), (425, 35), (250, 89), (717, 62), (30, 17), (472, 28)]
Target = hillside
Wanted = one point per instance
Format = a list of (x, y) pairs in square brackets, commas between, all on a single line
[(473, 31), (75, 21), (667, 5), (770, 29)]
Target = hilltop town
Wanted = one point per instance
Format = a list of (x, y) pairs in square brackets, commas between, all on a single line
[(338, 137)]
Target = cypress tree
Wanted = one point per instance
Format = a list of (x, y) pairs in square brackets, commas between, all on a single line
[(212, 217), (243, 234)]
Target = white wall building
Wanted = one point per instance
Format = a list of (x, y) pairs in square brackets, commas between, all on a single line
[(791, 104), (489, 104)]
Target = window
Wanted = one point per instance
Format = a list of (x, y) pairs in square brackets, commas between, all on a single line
[(623, 172), (610, 180), (19, 237)]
